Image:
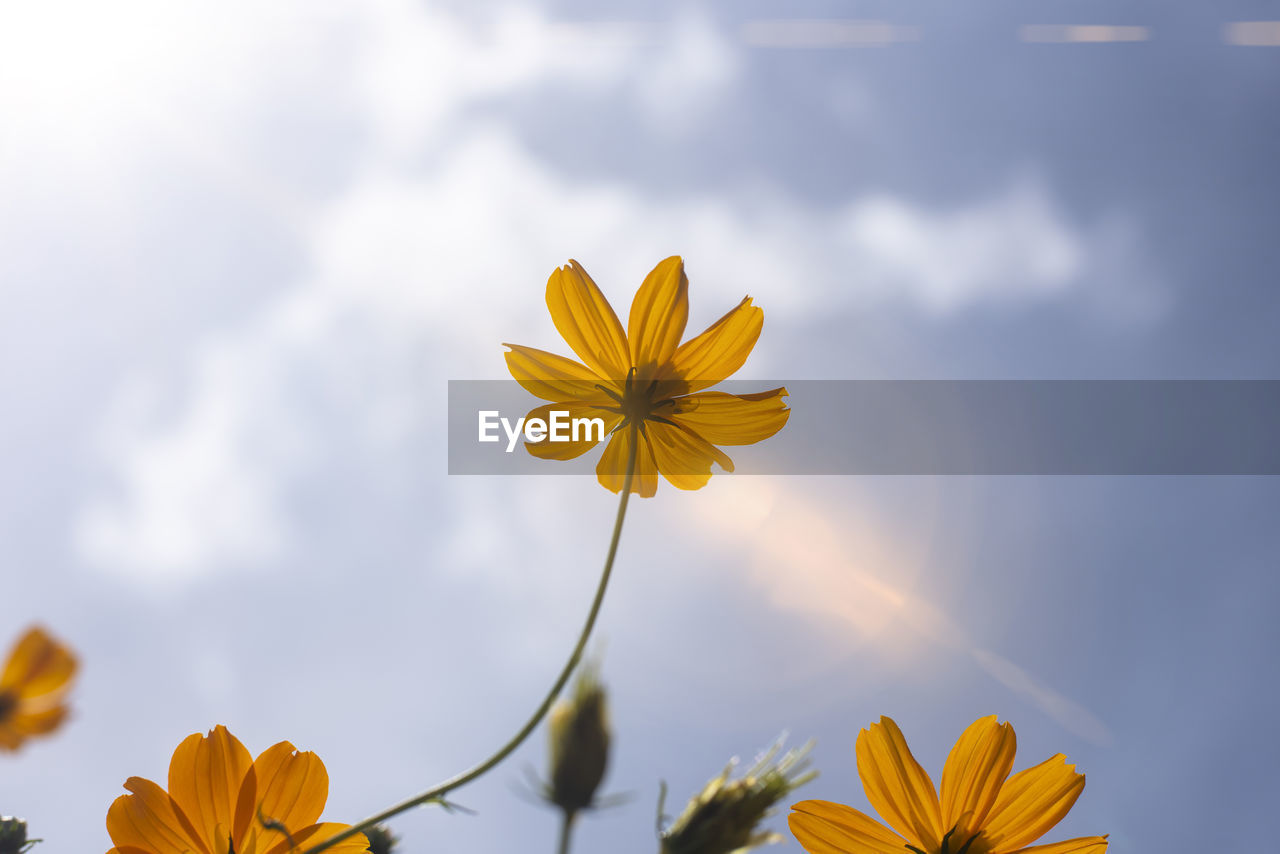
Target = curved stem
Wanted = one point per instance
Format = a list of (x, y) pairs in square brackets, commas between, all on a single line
[(437, 792)]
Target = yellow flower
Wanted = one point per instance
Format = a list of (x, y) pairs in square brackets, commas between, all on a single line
[(644, 383), (981, 812), (33, 688), (220, 801)]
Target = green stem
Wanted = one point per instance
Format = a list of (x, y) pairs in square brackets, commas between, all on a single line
[(566, 829), (437, 792)]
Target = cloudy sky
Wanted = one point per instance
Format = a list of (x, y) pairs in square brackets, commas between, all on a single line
[(245, 246)]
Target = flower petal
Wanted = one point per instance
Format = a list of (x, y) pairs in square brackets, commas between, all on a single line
[(823, 827), (720, 350), (37, 665), (315, 834), (205, 774), (147, 819), (38, 722), (898, 788), (612, 469), (292, 786), (731, 419), (1080, 845), (552, 377), (587, 323), (658, 316), (975, 770), (684, 458), (586, 439), (1031, 802)]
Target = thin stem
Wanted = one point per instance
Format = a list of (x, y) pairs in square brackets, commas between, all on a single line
[(437, 792), (566, 829)]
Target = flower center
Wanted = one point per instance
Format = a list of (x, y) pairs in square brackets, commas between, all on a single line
[(952, 845), (639, 402), (8, 702)]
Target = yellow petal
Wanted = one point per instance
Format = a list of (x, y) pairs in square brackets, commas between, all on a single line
[(612, 468), (823, 827), (588, 435), (205, 776), (731, 419), (898, 788), (38, 722), (308, 837), (1082, 845), (37, 665), (684, 458), (587, 323), (147, 819), (720, 350), (552, 377), (975, 770), (1031, 802), (292, 786), (658, 316)]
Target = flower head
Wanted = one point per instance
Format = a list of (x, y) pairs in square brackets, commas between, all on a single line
[(723, 817), (221, 801), (982, 810), (644, 384), (33, 688), (579, 740)]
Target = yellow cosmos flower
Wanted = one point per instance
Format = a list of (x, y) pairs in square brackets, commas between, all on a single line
[(981, 812), (33, 688), (221, 801), (644, 384)]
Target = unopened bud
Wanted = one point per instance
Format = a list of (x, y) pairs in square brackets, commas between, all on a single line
[(13, 836), (381, 840), (722, 818), (579, 730)]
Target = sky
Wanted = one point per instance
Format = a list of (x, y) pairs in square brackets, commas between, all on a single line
[(243, 250)]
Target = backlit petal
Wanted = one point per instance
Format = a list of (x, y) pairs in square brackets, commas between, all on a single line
[(975, 770), (205, 776), (552, 377), (39, 722), (317, 833), (147, 819), (822, 827), (720, 350), (587, 323), (658, 316), (588, 435), (1081, 845), (612, 468), (731, 419), (292, 786), (37, 665), (898, 788), (684, 458), (1031, 802)]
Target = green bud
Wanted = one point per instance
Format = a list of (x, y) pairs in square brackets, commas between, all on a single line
[(13, 835), (381, 840), (722, 818), (579, 743)]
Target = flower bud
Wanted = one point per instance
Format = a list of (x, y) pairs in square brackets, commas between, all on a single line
[(381, 840), (579, 742), (13, 835), (722, 818)]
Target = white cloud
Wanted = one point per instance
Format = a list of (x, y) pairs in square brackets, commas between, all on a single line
[(419, 266)]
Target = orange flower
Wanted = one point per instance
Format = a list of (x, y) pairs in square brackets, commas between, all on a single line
[(981, 812), (33, 688), (222, 802), (642, 382)]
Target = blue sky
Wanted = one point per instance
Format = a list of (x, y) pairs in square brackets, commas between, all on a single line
[(243, 251)]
